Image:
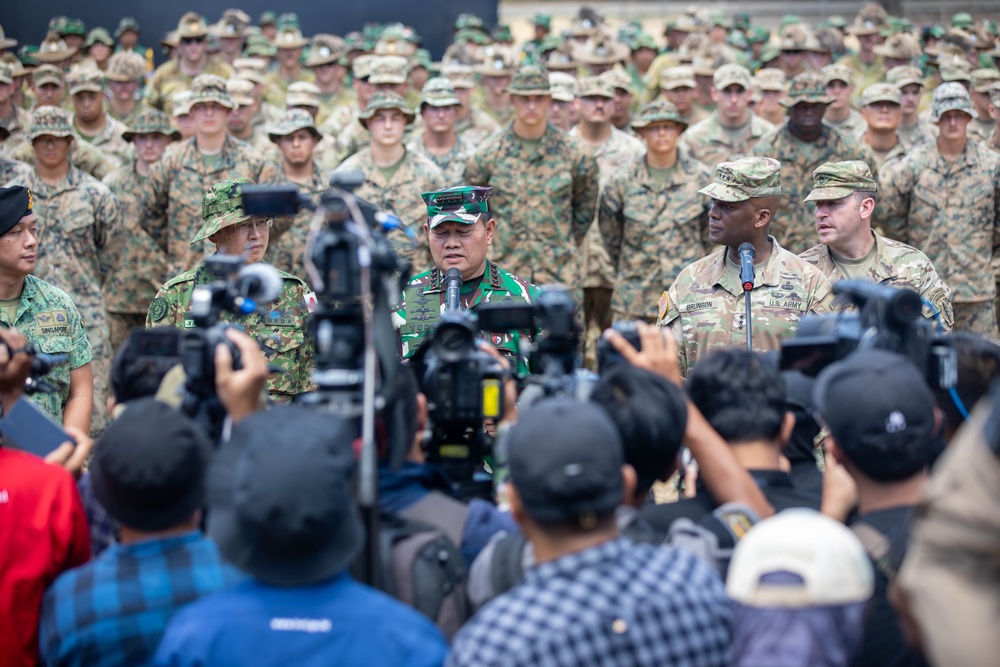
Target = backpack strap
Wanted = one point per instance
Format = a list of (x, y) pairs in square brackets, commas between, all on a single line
[(507, 565), (877, 546), (444, 512)]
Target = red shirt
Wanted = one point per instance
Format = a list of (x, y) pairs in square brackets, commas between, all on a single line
[(43, 533)]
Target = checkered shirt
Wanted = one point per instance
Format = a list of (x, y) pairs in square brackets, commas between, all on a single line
[(103, 529), (616, 604), (113, 610)]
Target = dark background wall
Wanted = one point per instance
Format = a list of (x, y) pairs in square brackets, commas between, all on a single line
[(27, 21)]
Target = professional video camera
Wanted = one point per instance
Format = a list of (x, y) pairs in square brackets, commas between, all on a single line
[(887, 318), (41, 365)]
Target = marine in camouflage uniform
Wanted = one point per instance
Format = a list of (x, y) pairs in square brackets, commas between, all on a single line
[(424, 298), (83, 156), (949, 210), (11, 169), (401, 193), (281, 333), (920, 131), (13, 118), (126, 67), (439, 93), (852, 124), (544, 193), (80, 241), (887, 262), (330, 51), (169, 78), (704, 306), (177, 184), (289, 236), (43, 313), (652, 230), (109, 139), (865, 73), (143, 264), (793, 224), (876, 96), (287, 39), (476, 125)]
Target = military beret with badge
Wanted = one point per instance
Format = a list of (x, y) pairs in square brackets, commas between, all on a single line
[(15, 204)]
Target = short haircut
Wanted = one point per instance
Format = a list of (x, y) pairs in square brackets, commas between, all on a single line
[(978, 366), (650, 413), (740, 394), (861, 195), (134, 376)]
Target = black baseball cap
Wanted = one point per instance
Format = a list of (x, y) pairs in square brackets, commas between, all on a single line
[(280, 504), (880, 410), (565, 462), (149, 467)]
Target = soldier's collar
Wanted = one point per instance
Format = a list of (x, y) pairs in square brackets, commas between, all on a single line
[(491, 277)]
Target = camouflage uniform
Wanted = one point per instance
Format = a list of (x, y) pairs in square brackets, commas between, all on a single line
[(452, 163), (476, 127), (281, 333), (920, 132), (864, 74), (708, 142), (82, 155), (168, 79), (852, 126), (17, 120), (11, 169), (949, 210), (109, 140), (49, 320), (287, 245)]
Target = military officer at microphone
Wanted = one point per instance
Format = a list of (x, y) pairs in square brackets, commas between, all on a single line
[(459, 231), (704, 308)]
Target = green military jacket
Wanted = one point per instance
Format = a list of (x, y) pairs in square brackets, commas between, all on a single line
[(281, 334), (49, 320), (424, 303)]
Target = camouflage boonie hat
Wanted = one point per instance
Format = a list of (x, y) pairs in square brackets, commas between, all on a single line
[(681, 76), (904, 75), (291, 122), (192, 24), (302, 94), (809, 87), (53, 49), (6, 73), (955, 70), (5, 41), (251, 69), (730, 74), (385, 99), (240, 91), (98, 35), (463, 203), (210, 88), (995, 93), (618, 78), (744, 179), (771, 79), (53, 121), (85, 79), (595, 86), (125, 25), (439, 92), (126, 66), (48, 74), (387, 69), (836, 180), (983, 77), (880, 92), (658, 111), (222, 207), (950, 96), (563, 86), (530, 80), (833, 73), (181, 101), (150, 122)]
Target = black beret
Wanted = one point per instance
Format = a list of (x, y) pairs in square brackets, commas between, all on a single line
[(15, 203)]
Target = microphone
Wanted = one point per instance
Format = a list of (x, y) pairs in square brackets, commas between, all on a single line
[(453, 283), (747, 255), (257, 283)]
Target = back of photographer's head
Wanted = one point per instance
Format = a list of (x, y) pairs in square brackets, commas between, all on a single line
[(566, 466), (741, 395), (651, 416), (149, 467), (880, 413), (137, 375)]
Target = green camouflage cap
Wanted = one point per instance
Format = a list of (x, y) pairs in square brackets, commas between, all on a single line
[(595, 86), (210, 88), (125, 25), (385, 99), (74, 27), (48, 74), (904, 75), (983, 77), (151, 122), (98, 35), (222, 207), (658, 111), (388, 69), (563, 86), (462, 203), (420, 58), (289, 20), (789, 19), (950, 96), (85, 79), (835, 72), (836, 180), (290, 122), (53, 121), (681, 76), (758, 35), (501, 33), (126, 66), (806, 87), (719, 19), (543, 20), (957, 69), (57, 24), (880, 92), (644, 41), (530, 80), (744, 179), (618, 78), (439, 92), (730, 74), (962, 21)]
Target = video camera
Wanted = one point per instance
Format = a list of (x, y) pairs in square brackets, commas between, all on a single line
[(41, 365), (887, 318)]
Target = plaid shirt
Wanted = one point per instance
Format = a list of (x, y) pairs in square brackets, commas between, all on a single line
[(103, 529), (618, 603), (114, 610)]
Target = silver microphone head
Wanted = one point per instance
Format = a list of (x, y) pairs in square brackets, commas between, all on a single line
[(260, 282)]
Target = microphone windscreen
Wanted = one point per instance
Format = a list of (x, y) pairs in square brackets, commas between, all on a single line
[(262, 282)]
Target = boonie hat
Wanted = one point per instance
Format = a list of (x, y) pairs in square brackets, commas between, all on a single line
[(744, 179), (290, 122), (836, 180), (658, 111), (222, 207), (150, 122), (385, 99)]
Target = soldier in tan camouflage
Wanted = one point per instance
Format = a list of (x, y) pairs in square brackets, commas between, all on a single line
[(866, 65), (394, 176), (289, 42), (143, 264), (845, 194), (882, 111), (329, 64), (982, 125), (91, 123), (732, 129), (545, 187), (439, 107), (342, 116), (565, 110), (388, 74), (802, 144), (840, 87), (177, 183), (474, 125), (304, 96), (652, 220), (704, 307), (12, 117), (913, 129), (194, 60), (281, 332), (296, 137), (943, 199), (240, 124), (10, 169), (125, 70), (43, 313), (494, 77), (678, 86), (80, 239)]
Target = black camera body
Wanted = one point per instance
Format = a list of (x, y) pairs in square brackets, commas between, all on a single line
[(887, 318), (607, 356)]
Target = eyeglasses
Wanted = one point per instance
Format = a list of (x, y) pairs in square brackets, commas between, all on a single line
[(251, 225), (192, 40)]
